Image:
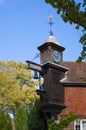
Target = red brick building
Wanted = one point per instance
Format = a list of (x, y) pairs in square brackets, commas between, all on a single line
[(75, 93)]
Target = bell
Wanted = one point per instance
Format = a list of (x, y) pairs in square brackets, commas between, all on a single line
[(35, 75)]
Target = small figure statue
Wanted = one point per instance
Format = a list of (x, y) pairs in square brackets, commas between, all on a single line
[(41, 83)]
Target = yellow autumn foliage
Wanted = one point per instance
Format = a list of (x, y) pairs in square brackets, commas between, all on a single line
[(16, 85)]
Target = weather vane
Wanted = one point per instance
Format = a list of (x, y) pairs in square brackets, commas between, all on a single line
[(36, 56), (51, 23)]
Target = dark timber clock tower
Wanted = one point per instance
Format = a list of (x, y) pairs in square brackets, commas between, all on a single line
[(52, 98), (52, 94)]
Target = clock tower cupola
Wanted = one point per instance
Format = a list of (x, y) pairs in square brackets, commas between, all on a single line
[(51, 50)]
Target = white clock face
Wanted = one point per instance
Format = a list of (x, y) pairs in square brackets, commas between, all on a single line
[(56, 56)]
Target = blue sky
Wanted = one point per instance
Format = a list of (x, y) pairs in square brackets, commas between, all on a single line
[(24, 26)]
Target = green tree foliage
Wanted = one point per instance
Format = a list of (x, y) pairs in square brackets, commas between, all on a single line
[(21, 119), (36, 119), (5, 121), (16, 86), (64, 122), (74, 12)]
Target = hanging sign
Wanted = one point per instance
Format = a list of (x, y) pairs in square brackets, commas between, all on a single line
[(34, 66)]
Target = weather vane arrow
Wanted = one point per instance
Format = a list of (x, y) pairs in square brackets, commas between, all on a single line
[(51, 23)]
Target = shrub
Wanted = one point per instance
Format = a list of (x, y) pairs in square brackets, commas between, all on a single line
[(36, 119), (21, 119), (5, 121)]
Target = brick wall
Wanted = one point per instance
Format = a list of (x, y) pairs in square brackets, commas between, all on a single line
[(75, 99), (70, 127)]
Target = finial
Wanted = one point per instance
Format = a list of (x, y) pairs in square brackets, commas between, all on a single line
[(51, 23)]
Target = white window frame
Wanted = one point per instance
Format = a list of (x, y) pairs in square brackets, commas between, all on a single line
[(81, 128)]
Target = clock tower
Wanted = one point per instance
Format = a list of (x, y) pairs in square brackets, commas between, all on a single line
[(51, 51), (51, 56), (52, 73), (52, 97)]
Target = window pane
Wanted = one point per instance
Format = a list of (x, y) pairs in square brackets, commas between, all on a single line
[(77, 122), (77, 127), (84, 125)]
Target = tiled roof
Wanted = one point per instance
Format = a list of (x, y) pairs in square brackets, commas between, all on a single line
[(76, 72)]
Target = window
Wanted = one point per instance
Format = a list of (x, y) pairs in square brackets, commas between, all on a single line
[(77, 125), (80, 124)]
